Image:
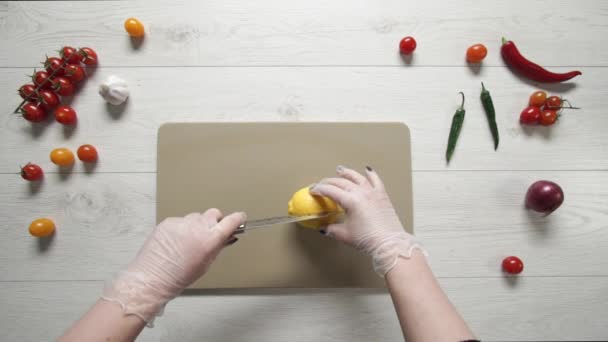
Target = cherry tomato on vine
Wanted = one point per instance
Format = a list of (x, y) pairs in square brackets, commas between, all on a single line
[(40, 77), (407, 45), (476, 53), (48, 100), (512, 265), (88, 56), (32, 112), (62, 86), (553, 102), (62, 156), (42, 227), (548, 117), (87, 153), (31, 172), (74, 73), (65, 115), (134, 27), (69, 54), (26, 90), (537, 99), (530, 116), (54, 65)]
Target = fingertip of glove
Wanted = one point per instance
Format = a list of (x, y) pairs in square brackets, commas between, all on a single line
[(313, 189)]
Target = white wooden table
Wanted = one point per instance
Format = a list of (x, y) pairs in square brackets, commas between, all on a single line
[(314, 60)]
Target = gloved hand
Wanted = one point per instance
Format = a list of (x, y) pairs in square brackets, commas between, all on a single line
[(177, 252), (371, 224)]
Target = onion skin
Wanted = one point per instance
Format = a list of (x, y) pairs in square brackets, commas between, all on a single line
[(544, 197)]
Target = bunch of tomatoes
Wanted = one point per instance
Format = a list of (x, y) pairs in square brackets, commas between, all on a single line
[(59, 78), (42, 97), (542, 110)]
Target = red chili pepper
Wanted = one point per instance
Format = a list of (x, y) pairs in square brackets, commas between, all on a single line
[(529, 69)]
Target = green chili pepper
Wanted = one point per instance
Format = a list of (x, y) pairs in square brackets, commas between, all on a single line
[(488, 106), (455, 129)]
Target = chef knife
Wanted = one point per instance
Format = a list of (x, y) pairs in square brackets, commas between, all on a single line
[(266, 222)]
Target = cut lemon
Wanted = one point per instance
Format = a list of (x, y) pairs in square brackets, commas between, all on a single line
[(303, 203)]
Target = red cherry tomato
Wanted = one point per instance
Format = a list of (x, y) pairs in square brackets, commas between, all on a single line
[(88, 56), (548, 117), (87, 153), (70, 55), (530, 116), (32, 112), (54, 65), (74, 73), (40, 77), (26, 90), (512, 265), (407, 45), (62, 86), (31, 172), (537, 99), (65, 115), (476, 53), (553, 102), (48, 99)]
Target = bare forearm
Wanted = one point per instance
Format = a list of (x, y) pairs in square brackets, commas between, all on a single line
[(105, 321), (425, 313)]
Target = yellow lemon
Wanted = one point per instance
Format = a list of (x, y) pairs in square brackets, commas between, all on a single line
[(303, 203)]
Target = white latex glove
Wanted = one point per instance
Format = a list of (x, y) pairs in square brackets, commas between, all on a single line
[(371, 224), (178, 252)]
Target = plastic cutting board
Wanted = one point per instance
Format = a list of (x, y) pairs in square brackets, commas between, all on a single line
[(256, 167)]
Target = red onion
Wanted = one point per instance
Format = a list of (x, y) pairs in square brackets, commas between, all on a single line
[(544, 196)]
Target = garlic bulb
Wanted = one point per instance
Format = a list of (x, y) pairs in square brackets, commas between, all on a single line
[(114, 90)]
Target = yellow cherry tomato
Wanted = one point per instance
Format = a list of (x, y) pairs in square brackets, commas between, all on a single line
[(42, 227), (134, 27), (62, 156)]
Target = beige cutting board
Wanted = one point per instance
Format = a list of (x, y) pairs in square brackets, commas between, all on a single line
[(256, 167)]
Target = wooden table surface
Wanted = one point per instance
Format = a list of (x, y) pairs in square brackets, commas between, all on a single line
[(314, 60)]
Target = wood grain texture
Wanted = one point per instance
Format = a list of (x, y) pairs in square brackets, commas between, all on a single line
[(275, 32), (126, 136), (468, 221), (529, 309)]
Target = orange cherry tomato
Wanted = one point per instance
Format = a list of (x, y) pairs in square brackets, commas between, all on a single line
[(553, 102), (476, 53), (42, 227), (538, 98), (548, 117), (134, 27), (87, 153), (62, 156)]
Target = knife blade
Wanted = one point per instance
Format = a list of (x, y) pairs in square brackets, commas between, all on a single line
[(266, 222)]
